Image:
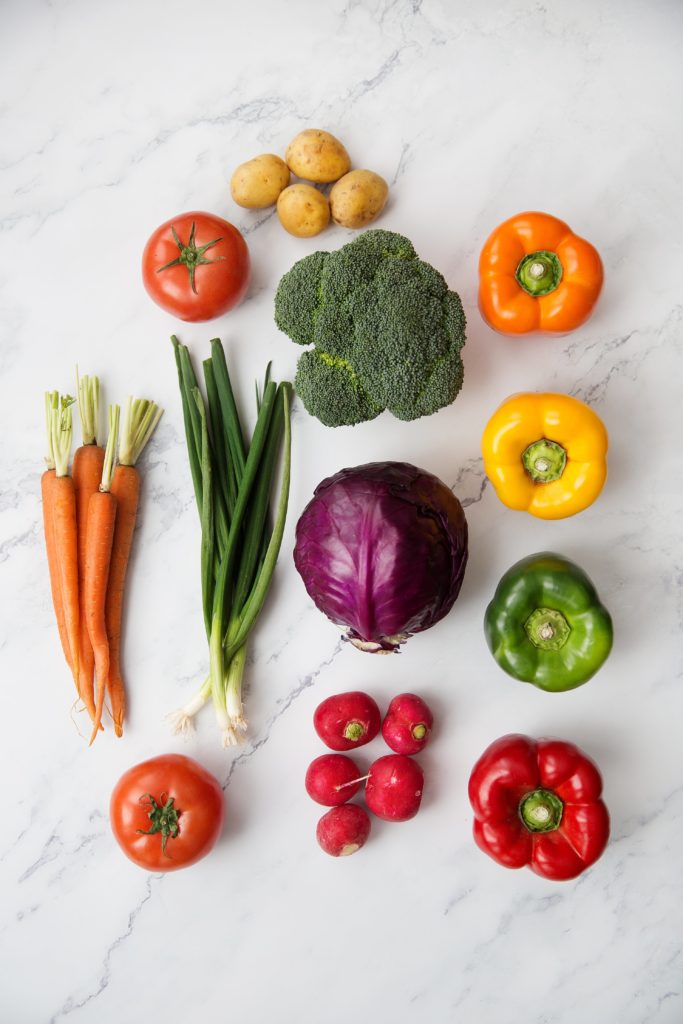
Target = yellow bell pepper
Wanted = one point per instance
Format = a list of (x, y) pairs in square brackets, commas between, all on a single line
[(545, 454)]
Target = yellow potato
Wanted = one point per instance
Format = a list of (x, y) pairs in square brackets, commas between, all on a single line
[(317, 156), (303, 210), (258, 182), (358, 198)]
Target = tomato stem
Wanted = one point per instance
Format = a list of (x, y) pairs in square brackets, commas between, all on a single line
[(163, 818), (191, 255)]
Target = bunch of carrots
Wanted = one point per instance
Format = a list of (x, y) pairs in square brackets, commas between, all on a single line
[(89, 518)]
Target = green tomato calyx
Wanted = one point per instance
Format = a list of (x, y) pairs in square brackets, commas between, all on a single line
[(191, 255), (163, 818)]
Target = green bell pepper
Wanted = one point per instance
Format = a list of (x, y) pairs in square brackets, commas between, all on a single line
[(546, 625)]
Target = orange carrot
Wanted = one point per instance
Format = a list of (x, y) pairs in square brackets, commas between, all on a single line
[(63, 513), (139, 422), (47, 494), (86, 473), (98, 543)]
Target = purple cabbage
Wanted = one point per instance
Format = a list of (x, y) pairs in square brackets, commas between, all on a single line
[(382, 551)]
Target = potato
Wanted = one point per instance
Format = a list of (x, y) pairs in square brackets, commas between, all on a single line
[(258, 182), (303, 210), (317, 156), (358, 198)]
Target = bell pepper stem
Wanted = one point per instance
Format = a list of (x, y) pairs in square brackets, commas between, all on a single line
[(547, 628), (541, 810), (539, 273), (544, 460)]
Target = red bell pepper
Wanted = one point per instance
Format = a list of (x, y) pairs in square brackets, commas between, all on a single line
[(537, 803)]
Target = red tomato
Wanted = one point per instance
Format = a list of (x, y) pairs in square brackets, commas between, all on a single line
[(196, 266), (167, 813)]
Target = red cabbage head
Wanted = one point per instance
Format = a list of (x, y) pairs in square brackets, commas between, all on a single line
[(382, 551)]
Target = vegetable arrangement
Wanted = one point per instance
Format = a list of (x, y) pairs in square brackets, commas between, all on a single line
[(355, 201), (386, 331), (381, 548), (89, 527), (393, 783), (232, 481)]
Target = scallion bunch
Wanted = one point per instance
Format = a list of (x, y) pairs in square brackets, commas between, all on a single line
[(240, 545)]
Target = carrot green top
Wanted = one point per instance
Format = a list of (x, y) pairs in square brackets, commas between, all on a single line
[(61, 430), (140, 418), (51, 398), (88, 406), (110, 450)]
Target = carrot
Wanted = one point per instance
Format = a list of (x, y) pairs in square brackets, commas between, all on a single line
[(63, 514), (86, 473), (47, 494), (98, 543), (139, 421)]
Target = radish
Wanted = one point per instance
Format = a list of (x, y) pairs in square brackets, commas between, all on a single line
[(407, 724), (332, 779), (343, 830), (347, 720), (394, 787)]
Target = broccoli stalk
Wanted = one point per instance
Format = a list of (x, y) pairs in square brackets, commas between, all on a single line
[(386, 331)]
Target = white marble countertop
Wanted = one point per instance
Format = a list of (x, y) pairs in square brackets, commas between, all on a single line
[(115, 116)]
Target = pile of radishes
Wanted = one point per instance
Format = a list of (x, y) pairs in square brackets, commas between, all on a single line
[(393, 783)]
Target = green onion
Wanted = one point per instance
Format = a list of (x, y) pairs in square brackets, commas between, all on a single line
[(232, 483)]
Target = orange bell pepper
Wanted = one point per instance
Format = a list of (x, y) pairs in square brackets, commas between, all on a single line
[(545, 454), (535, 275)]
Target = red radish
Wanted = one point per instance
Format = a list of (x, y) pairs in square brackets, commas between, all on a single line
[(343, 830), (347, 720), (332, 779), (407, 724), (394, 787)]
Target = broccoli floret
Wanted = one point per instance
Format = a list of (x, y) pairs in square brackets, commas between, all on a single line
[(390, 329), (331, 391), (297, 298)]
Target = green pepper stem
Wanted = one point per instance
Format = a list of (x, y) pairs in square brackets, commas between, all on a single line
[(547, 628), (541, 810)]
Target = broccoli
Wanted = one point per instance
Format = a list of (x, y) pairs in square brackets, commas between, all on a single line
[(386, 331)]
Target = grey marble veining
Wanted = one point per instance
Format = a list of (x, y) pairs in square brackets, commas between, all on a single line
[(113, 118)]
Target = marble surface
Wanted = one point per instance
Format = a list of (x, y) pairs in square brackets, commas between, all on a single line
[(114, 117)]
